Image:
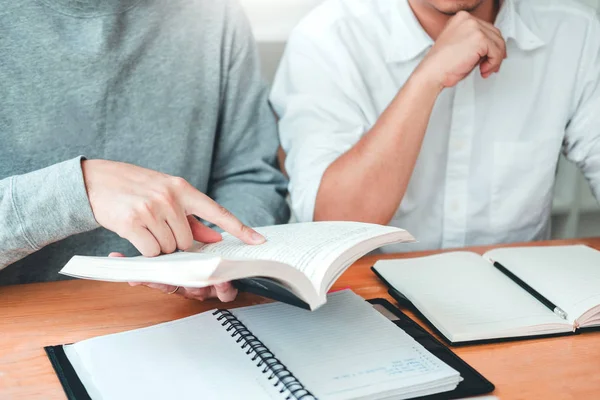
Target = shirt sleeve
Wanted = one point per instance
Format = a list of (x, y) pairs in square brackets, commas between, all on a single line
[(245, 178), (319, 121), (42, 207), (582, 139)]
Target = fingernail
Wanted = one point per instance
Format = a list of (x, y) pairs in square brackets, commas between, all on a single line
[(258, 238)]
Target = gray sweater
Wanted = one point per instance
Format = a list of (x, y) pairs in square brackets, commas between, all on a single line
[(169, 85)]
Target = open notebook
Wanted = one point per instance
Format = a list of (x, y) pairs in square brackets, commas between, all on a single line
[(297, 265), (344, 350), (467, 299)]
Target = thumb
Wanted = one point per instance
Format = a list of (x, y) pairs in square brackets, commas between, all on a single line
[(116, 255), (202, 233), (225, 292)]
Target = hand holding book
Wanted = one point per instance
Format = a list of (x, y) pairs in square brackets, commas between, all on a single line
[(225, 291), (297, 264)]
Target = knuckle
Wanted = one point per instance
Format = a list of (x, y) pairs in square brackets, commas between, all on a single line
[(170, 248), (164, 196), (131, 219), (155, 249), (463, 15), (179, 183), (151, 252), (224, 213), (144, 208), (479, 36), (155, 252), (471, 25), (470, 19), (244, 229), (186, 243)]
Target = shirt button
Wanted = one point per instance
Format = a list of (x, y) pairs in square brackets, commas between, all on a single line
[(459, 144), (455, 206)]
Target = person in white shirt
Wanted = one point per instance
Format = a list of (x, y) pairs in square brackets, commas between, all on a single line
[(443, 117)]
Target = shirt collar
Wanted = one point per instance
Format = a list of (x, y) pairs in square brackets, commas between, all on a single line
[(409, 39), (513, 27)]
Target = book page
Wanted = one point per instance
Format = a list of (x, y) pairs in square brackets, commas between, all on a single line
[(191, 358), (347, 349), (568, 276), (179, 269), (309, 247), (466, 298)]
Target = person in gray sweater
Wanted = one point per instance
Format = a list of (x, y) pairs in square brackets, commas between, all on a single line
[(124, 119)]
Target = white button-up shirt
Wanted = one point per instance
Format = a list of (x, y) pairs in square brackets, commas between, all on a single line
[(486, 170)]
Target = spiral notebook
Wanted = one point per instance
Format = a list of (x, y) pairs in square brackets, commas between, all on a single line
[(345, 350)]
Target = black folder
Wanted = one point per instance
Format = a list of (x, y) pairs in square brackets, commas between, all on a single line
[(473, 383)]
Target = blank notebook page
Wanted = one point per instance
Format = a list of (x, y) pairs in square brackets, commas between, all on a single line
[(346, 349), (569, 276), (189, 358), (463, 294)]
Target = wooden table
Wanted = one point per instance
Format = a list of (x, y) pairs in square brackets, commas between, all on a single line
[(33, 316)]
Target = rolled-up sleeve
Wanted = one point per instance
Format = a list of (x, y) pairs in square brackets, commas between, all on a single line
[(318, 118)]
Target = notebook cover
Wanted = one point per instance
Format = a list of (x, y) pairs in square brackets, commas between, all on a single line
[(473, 384), (270, 289), (404, 302), (589, 329), (67, 376)]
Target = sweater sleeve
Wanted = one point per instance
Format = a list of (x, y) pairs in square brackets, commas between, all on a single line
[(42, 207), (245, 178)]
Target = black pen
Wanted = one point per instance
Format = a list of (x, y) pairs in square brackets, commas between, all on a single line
[(555, 309)]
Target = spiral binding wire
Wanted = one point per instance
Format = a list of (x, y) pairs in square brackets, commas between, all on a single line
[(284, 379)]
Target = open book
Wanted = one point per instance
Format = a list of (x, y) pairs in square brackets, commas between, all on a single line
[(345, 350), (467, 299), (298, 264)]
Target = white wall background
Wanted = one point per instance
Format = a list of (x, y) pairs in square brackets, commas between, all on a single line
[(576, 212)]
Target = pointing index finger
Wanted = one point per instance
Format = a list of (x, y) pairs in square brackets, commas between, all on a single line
[(204, 207)]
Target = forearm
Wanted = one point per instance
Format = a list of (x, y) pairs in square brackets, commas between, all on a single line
[(40, 208), (368, 182)]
